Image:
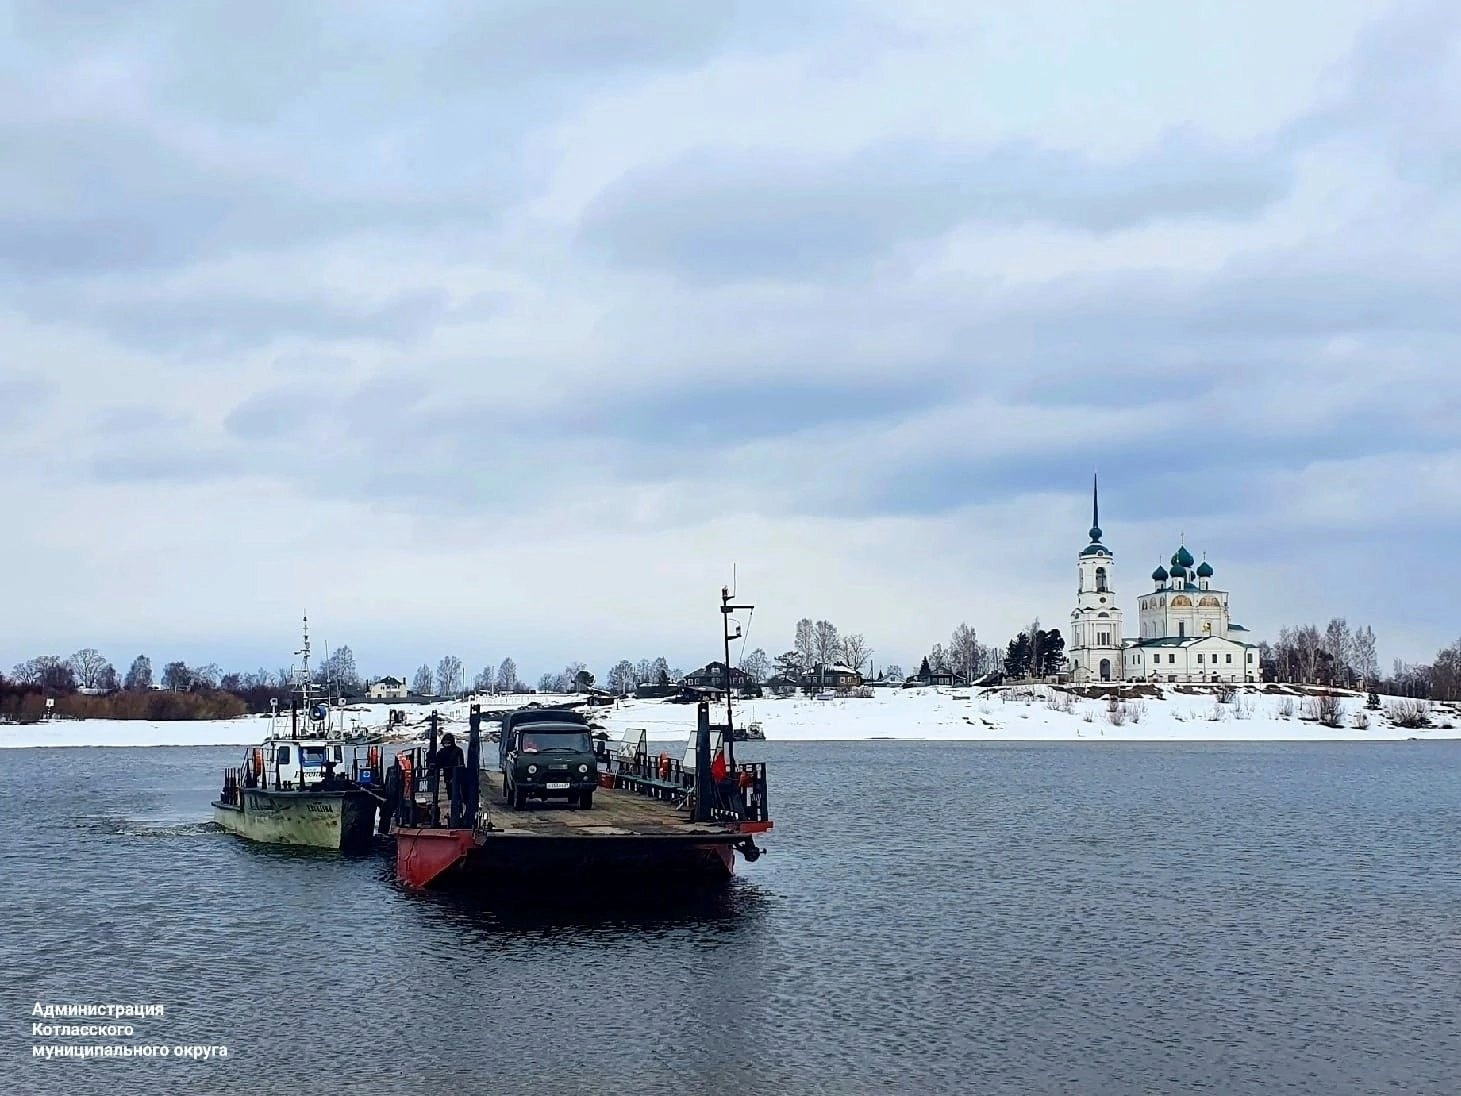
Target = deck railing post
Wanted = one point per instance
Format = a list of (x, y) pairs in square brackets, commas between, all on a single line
[(433, 779), (468, 789), (703, 782)]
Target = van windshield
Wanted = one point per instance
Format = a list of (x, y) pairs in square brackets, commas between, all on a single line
[(551, 741)]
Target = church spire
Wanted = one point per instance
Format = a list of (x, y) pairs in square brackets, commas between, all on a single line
[(1095, 508)]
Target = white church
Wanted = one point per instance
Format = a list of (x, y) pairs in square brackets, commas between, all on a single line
[(1186, 632)]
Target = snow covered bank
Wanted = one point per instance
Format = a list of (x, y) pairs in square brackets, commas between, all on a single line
[(243, 731), (1038, 715), (995, 715)]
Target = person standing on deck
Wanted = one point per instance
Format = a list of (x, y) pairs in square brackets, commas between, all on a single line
[(449, 760)]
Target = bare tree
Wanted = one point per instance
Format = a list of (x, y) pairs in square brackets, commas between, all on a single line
[(938, 659), (338, 669), (507, 681), (893, 672), (826, 643), (855, 651), (806, 643), (140, 675), (421, 683), (1366, 662), (1339, 647), (449, 678), (1310, 645), (964, 651), (484, 680), (87, 665), (756, 665), (1445, 673), (621, 678)]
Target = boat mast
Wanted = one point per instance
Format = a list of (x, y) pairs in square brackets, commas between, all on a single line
[(726, 608), (304, 678)]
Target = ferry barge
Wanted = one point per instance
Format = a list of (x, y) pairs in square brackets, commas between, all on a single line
[(651, 820)]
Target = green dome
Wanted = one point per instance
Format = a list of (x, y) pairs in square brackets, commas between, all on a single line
[(1204, 569), (1095, 532), (1182, 557), (1095, 550), (1160, 574), (1178, 571)]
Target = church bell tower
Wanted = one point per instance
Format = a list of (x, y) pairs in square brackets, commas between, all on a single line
[(1095, 623)]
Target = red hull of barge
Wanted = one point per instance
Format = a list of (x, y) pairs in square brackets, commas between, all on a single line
[(431, 857)]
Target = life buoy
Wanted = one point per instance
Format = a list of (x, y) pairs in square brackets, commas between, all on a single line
[(664, 766), (372, 758)]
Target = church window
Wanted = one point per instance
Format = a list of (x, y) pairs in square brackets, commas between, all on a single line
[(1199, 656), (1171, 658), (1250, 656), (1230, 660), (1181, 629), (1100, 579), (1181, 601)]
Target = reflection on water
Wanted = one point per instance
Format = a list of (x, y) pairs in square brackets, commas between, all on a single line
[(601, 914)]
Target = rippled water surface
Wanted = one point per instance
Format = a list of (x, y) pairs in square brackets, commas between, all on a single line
[(931, 918)]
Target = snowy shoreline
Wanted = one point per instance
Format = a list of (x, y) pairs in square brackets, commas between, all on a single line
[(926, 714)]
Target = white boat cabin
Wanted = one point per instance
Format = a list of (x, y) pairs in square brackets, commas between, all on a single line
[(293, 764)]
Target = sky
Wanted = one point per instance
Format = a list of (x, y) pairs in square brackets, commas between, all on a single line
[(510, 329)]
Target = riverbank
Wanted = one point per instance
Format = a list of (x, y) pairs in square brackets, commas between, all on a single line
[(1168, 714)]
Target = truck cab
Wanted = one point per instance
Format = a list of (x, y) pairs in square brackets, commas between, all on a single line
[(547, 754)]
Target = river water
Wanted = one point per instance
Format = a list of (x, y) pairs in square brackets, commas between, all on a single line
[(930, 918)]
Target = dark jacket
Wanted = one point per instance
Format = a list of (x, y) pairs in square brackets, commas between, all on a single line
[(450, 757)]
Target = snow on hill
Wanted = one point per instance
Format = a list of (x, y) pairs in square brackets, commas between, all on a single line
[(1164, 714), (1170, 713)]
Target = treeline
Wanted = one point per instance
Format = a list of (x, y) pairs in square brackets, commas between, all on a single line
[(1343, 655)]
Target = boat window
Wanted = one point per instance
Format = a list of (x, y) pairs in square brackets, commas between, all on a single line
[(545, 741), (311, 755), (339, 753), (281, 755)]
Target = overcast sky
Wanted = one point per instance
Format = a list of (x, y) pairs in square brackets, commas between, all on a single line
[(507, 328)]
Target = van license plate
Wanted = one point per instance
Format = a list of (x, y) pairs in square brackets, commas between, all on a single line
[(557, 787)]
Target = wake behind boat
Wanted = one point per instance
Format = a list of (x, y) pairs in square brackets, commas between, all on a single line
[(292, 789)]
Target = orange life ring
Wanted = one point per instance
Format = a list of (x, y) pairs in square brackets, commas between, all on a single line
[(664, 766)]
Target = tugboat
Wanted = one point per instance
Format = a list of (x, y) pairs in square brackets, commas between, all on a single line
[(292, 790)]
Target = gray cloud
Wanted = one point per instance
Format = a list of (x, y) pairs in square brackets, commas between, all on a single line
[(223, 229), (23, 398), (715, 217), (224, 322)]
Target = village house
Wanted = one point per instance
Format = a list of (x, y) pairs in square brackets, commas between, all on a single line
[(836, 677), (387, 688), (712, 676)]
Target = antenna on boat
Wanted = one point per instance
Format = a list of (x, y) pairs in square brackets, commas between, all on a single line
[(726, 608), (304, 673)]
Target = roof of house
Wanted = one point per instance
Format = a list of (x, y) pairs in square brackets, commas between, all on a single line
[(389, 681), (1185, 641)]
